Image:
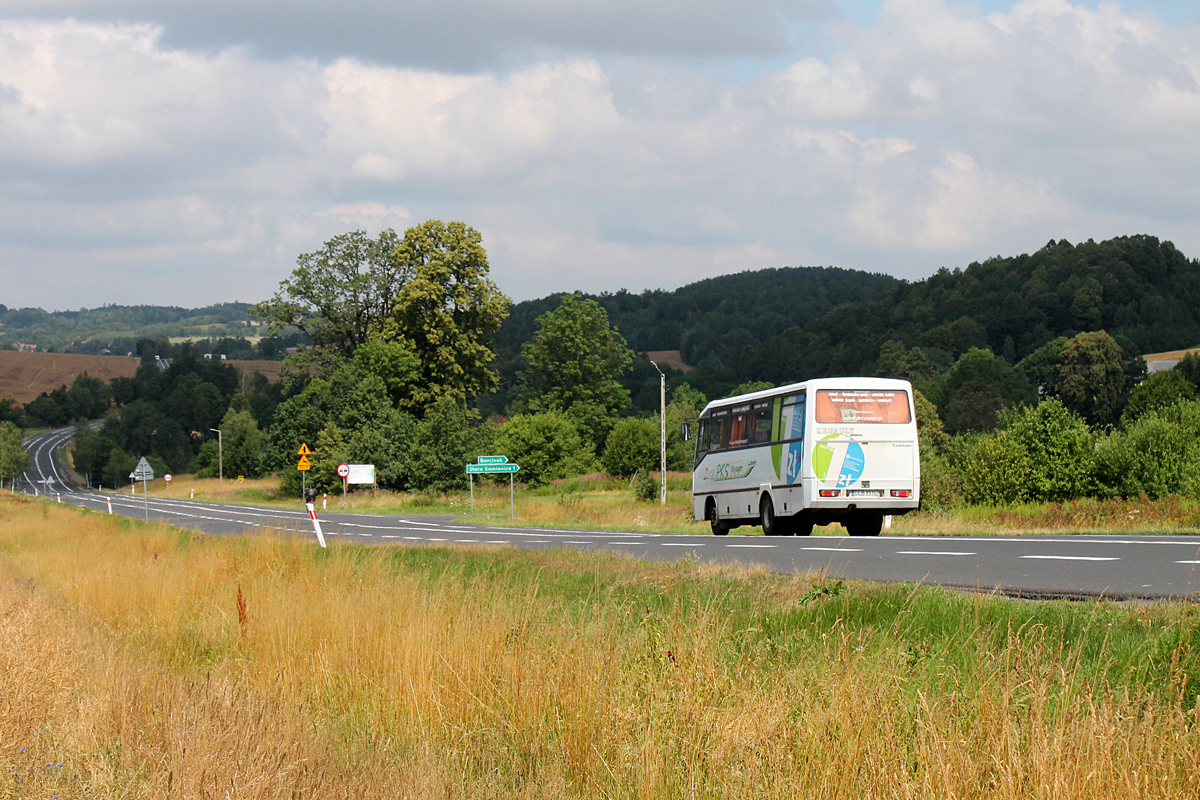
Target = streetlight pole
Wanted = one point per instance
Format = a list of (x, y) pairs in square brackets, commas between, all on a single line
[(662, 434), (220, 459)]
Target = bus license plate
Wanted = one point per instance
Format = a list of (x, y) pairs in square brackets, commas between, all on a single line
[(865, 493)]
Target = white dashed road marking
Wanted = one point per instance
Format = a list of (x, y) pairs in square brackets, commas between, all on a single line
[(1074, 558)]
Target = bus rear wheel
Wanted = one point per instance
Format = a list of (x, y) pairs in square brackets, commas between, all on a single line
[(771, 524), (719, 527), (865, 525)]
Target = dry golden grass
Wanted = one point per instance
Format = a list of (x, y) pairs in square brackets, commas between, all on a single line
[(153, 663)]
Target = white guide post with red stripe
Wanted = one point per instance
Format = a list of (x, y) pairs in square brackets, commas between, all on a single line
[(312, 512)]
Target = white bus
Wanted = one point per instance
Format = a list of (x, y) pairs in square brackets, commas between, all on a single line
[(827, 450)]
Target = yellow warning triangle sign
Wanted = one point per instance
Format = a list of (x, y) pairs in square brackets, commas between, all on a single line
[(304, 464), (304, 451)]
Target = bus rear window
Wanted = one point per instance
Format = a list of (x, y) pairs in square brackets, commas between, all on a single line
[(861, 406)]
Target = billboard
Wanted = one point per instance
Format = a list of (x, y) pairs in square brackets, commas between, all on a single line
[(361, 473)]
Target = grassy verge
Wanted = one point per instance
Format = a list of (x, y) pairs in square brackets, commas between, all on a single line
[(142, 661)]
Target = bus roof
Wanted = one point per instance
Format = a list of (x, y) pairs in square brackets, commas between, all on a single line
[(814, 384)]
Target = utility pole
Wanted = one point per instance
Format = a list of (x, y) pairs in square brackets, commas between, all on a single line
[(662, 434), (220, 459)]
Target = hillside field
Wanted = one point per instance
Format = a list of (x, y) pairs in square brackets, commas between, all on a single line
[(24, 376)]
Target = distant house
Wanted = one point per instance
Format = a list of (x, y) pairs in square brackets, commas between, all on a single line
[(25, 348), (1161, 362)]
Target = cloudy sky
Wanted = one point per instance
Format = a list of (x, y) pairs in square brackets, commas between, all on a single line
[(185, 151)]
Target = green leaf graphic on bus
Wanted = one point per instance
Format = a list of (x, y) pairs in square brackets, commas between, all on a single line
[(729, 472), (853, 459)]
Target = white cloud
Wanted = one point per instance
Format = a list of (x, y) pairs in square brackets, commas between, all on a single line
[(936, 135)]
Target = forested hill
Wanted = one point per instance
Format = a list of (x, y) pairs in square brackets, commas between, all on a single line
[(58, 330), (711, 321), (1144, 292)]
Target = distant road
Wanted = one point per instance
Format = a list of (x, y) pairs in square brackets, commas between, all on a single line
[(1125, 566)]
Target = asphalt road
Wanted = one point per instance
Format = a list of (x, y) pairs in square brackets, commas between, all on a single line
[(1123, 567)]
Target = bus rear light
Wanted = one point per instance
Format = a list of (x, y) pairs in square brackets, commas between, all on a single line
[(830, 492), (901, 492)]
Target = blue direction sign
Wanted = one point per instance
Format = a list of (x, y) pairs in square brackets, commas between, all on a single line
[(475, 469), (492, 460)]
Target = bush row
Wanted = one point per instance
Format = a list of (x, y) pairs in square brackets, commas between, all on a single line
[(1046, 453)]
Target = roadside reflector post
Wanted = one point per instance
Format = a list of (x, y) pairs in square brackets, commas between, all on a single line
[(312, 512), (109, 499), (887, 521), (59, 496), (192, 496)]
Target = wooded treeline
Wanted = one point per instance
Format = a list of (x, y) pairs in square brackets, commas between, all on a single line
[(418, 362)]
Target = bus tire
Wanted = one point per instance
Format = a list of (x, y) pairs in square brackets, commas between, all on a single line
[(771, 524), (865, 525), (719, 527)]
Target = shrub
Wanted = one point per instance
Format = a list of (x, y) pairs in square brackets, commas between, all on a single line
[(1159, 391), (1061, 450), (441, 445), (1157, 455), (547, 446), (647, 487), (633, 445), (992, 469)]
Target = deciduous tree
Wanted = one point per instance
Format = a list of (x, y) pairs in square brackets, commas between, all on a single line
[(1091, 378), (13, 457), (573, 364), (448, 310), (338, 293)]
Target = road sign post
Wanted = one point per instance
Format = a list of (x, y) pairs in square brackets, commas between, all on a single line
[(491, 465), (143, 472), (304, 466), (343, 472)]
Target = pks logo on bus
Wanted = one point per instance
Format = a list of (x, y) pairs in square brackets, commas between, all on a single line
[(728, 472), (838, 454)]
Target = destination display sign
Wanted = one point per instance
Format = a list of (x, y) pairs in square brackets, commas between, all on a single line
[(492, 460)]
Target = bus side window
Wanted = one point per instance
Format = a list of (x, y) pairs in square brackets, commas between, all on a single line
[(760, 431), (739, 434), (720, 432)]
